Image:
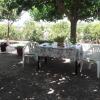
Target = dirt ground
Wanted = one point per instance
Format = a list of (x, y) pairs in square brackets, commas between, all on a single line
[(55, 81)]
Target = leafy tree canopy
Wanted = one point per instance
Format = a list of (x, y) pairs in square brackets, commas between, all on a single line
[(8, 10), (53, 9), (79, 9)]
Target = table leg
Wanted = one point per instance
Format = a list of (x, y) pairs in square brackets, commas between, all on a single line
[(39, 59), (38, 62), (76, 67), (45, 60)]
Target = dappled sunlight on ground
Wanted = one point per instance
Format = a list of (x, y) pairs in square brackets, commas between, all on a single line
[(55, 81), (66, 61)]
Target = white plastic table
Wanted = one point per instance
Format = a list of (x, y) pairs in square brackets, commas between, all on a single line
[(72, 52)]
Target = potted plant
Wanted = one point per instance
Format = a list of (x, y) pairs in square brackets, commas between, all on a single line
[(19, 50), (60, 40), (3, 46)]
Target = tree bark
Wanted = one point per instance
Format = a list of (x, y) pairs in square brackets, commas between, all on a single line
[(8, 30), (73, 31)]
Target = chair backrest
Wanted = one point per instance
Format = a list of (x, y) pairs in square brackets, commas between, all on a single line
[(93, 52), (29, 47), (86, 46)]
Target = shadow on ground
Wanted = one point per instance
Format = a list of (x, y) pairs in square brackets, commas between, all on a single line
[(56, 81)]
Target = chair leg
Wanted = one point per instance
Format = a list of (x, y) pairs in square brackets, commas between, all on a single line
[(23, 61), (81, 65), (27, 59), (98, 69), (39, 63), (90, 64)]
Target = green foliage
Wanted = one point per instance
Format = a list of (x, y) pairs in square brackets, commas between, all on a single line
[(59, 39), (16, 34), (44, 12), (74, 10), (96, 30), (28, 29), (8, 12), (91, 32), (32, 31), (54, 9), (59, 29), (87, 32), (36, 35), (3, 31)]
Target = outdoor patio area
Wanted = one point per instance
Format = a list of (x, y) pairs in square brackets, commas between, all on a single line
[(49, 50), (56, 81)]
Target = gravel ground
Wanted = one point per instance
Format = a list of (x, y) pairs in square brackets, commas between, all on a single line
[(56, 81)]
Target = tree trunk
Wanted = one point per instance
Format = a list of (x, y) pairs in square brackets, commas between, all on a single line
[(73, 31), (8, 30)]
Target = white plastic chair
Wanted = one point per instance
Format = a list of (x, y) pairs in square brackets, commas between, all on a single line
[(91, 55), (28, 51)]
